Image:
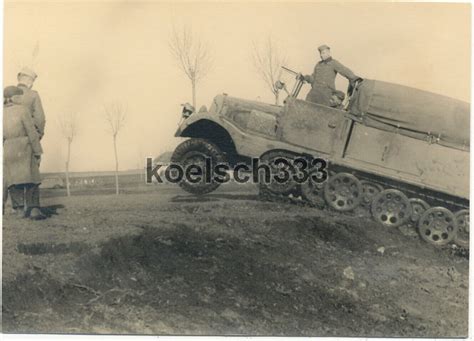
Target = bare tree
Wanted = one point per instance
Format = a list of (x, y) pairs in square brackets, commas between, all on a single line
[(68, 126), (267, 60), (115, 117), (35, 52), (192, 55), (30, 60)]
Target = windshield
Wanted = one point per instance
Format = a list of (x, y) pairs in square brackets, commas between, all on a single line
[(291, 84)]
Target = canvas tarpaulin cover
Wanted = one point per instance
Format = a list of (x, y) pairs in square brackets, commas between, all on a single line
[(413, 112)]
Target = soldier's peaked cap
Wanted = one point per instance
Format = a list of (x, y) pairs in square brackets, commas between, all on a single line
[(11, 91), (323, 47), (28, 72)]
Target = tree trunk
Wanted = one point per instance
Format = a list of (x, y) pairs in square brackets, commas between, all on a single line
[(68, 189), (116, 167), (277, 95), (193, 85)]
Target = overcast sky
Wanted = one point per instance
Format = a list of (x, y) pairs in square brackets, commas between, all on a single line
[(94, 53)]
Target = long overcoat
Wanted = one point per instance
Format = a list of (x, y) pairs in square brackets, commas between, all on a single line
[(20, 145), (323, 80), (32, 101)]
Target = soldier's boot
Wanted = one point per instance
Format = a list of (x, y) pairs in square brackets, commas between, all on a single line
[(36, 214), (17, 196), (19, 212), (32, 203), (5, 195)]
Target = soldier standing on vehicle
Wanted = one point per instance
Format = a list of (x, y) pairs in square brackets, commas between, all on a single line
[(21, 155), (324, 76), (31, 100)]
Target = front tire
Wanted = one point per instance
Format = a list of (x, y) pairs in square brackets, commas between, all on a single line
[(194, 152)]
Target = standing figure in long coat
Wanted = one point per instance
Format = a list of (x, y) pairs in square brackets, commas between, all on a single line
[(31, 100), (323, 79), (21, 154)]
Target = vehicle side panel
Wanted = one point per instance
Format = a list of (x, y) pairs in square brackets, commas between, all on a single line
[(256, 117), (431, 165), (313, 126)]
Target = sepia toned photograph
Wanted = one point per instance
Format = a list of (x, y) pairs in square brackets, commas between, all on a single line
[(247, 168)]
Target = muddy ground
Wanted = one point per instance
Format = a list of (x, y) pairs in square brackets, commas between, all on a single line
[(159, 261)]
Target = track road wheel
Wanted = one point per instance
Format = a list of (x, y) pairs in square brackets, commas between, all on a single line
[(418, 207), (462, 221), (279, 164), (343, 192), (313, 192), (195, 151), (391, 208), (369, 191), (437, 226)]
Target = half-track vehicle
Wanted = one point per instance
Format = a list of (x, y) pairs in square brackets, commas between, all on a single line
[(401, 152)]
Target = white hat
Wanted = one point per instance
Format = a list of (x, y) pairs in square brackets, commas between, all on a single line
[(28, 72)]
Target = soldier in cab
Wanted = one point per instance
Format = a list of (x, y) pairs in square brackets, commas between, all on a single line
[(323, 78), (337, 99)]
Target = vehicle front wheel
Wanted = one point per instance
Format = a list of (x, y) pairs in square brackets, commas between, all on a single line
[(194, 152)]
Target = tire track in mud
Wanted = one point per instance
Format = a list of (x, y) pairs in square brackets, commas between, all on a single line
[(220, 274)]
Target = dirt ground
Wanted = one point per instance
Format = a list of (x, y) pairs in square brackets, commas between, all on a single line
[(159, 261)]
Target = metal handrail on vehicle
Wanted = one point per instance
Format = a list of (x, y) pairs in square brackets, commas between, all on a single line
[(298, 85), (347, 100)]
